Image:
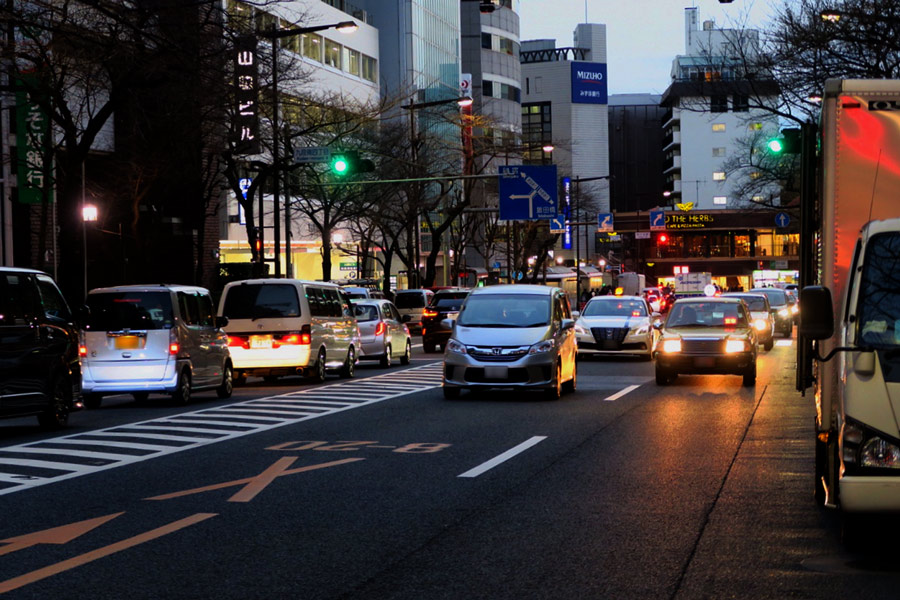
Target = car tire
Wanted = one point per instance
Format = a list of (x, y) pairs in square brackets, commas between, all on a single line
[(769, 345), (92, 401), (428, 346), (57, 414), (451, 392), (182, 395), (570, 386), (318, 371), (347, 370), (555, 392), (387, 358), (227, 386), (750, 376), (407, 354), (663, 377)]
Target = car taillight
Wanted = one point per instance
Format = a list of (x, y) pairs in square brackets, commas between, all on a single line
[(305, 335), (379, 329), (429, 313), (82, 350), (292, 339), (173, 349), (239, 341), (635, 313), (730, 321), (173, 343)]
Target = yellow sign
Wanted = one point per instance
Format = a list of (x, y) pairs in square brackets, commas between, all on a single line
[(687, 206)]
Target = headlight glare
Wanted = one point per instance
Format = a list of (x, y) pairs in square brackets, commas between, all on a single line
[(761, 324), (671, 345), (784, 312), (456, 347), (735, 346)]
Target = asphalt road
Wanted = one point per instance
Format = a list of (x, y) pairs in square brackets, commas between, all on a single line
[(379, 488)]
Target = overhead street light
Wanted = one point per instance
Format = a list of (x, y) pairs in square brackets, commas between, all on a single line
[(274, 35)]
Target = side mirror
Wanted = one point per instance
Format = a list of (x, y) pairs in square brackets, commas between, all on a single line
[(448, 323), (658, 325), (576, 314), (568, 324), (221, 322), (816, 313)]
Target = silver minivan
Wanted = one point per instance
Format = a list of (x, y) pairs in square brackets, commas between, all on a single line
[(519, 336), (282, 327), (413, 303), (143, 339)]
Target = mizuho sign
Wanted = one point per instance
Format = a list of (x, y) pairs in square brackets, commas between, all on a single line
[(589, 83)]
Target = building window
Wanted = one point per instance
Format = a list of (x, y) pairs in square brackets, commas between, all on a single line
[(333, 54), (351, 61), (312, 46), (721, 200), (718, 127), (740, 103), (718, 104), (498, 43), (718, 152), (537, 131), (369, 69), (495, 89), (719, 176)]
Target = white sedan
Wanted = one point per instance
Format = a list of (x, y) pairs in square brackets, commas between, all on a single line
[(616, 325)]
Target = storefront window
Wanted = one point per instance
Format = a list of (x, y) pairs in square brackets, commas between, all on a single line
[(742, 245)]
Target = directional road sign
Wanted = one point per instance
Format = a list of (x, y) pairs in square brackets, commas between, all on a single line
[(528, 192), (312, 154), (657, 220), (605, 222), (782, 220), (558, 224)]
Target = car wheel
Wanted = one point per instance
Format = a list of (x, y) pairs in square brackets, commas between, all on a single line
[(750, 376), (570, 385), (57, 414), (555, 392), (182, 395), (386, 359), (662, 376), (407, 355), (349, 364), (318, 374), (428, 346), (92, 400), (227, 386), (769, 345), (140, 397), (451, 392)]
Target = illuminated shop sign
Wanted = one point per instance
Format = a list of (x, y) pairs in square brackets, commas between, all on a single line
[(690, 221), (589, 83)]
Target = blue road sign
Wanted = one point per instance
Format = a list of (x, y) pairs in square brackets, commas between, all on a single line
[(605, 222), (528, 192), (558, 224), (782, 220), (657, 219)]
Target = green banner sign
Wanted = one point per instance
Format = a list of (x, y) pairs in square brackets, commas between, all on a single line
[(32, 140)]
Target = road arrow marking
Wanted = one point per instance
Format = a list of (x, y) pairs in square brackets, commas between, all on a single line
[(256, 484), (83, 559), (57, 535)]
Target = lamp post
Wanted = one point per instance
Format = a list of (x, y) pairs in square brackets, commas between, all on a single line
[(273, 36), (88, 214)]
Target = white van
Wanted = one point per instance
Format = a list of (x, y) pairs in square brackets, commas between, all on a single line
[(289, 326), (140, 339)]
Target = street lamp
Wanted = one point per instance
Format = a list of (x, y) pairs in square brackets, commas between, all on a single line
[(88, 214), (273, 36)]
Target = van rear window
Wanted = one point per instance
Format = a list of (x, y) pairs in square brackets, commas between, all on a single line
[(115, 311), (411, 300), (261, 301)]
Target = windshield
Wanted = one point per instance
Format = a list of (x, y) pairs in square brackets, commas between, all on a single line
[(365, 312), (776, 297), (706, 314), (116, 311), (448, 301), (879, 293), (755, 303), (410, 300), (506, 310), (262, 300), (614, 308)]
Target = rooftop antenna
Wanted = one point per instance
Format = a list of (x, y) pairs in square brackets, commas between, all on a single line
[(585, 12)]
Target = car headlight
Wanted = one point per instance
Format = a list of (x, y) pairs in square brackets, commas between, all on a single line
[(456, 347), (784, 312), (735, 346), (541, 347), (671, 345), (761, 324), (795, 309), (866, 448)]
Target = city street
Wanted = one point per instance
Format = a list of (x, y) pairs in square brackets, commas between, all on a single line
[(378, 487)]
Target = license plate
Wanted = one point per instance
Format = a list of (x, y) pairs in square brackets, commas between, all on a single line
[(127, 342), (260, 341), (495, 372), (705, 361)]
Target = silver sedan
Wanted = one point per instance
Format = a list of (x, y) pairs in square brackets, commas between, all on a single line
[(616, 325), (384, 335)]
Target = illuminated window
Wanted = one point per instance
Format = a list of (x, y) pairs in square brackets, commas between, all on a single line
[(369, 68), (312, 46), (333, 54), (719, 176), (718, 127), (720, 199), (351, 61)]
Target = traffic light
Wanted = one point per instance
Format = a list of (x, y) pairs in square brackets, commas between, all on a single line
[(662, 239), (786, 143), (349, 163)]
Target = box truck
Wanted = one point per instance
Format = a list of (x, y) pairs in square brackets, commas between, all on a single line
[(692, 283), (853, 310)]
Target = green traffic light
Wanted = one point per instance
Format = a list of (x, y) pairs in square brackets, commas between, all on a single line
[(340, 165), (775, 145)]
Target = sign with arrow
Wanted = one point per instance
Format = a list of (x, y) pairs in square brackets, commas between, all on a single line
[(657, 220), (528, 192), (605, 222), (782, 220), (558, 225)]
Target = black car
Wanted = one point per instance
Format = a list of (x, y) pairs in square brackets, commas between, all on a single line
[(444, 304), (39, 367), (780, 305)]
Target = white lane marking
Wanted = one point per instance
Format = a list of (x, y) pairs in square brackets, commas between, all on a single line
[(487, 466), (784, 342), (621, 393)]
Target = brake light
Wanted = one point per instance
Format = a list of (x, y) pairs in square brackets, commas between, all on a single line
[(291, 340), (731, 320), (635, 313), (379, 329), (305, 335), (238, 341), (429, 313), (82, 350), (173, 349)]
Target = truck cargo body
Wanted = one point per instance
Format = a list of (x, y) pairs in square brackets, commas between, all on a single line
[(857, 391)]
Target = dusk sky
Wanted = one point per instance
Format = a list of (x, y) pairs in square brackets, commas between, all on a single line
[(642, 36)]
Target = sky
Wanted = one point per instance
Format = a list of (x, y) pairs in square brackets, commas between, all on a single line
[(642, 36)]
